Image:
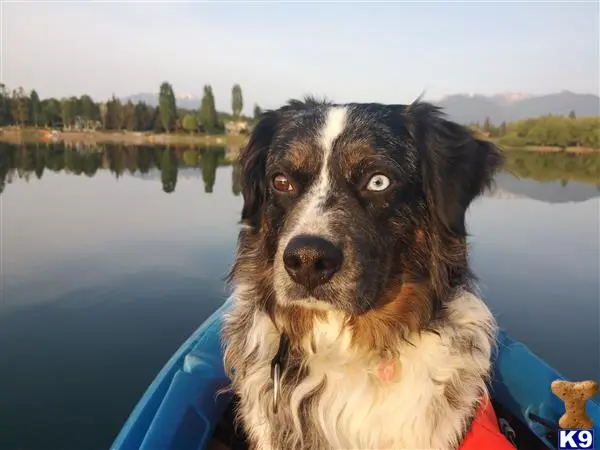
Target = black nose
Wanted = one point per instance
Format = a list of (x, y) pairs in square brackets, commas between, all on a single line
[(311, 260)]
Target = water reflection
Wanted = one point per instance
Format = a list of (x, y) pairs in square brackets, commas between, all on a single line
[(25, 161), (548, 177), (559, 166)]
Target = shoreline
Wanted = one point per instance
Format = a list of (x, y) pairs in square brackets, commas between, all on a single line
[(543, 149), (13, 135), (34, 135)]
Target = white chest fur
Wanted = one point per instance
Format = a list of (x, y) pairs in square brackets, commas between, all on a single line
[(439, 382)]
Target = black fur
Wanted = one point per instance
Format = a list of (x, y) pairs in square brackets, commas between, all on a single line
[(457, 167), (253, 163)]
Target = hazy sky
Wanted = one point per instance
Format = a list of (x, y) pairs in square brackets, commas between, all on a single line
[(388, 52)]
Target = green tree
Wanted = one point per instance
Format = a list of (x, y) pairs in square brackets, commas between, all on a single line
[(156, 121), (208, 112), (115, 118), (35, 108), (556, 131), (143, 116), (487, 125), (190, 123), (68, 112), (167, 106), (51, 112), (237, 101), (502, 129), (20, 106), (103, 114), (589, 131), (76, 108), (257, 112), (6, 117), (572, 115), (129, 116), (88, 110)]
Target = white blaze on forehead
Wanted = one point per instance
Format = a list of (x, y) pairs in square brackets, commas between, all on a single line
[(335, 122), (312, 217)]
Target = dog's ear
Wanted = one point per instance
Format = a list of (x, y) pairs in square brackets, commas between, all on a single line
[(456, 165), (253, 160)]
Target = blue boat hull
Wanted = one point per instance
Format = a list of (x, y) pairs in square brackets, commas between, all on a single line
[(180, 409)]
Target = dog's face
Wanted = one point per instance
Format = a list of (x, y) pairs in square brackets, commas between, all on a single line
[(342, 197)]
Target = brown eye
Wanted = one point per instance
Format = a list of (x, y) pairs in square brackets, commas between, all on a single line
[(282, 184)]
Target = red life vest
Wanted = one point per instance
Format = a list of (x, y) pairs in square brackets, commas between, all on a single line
[(485, 433)]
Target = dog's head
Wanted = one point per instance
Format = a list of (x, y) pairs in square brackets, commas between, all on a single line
[(346, 205)]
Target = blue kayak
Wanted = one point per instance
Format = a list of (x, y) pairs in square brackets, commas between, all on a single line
[(181, 408)]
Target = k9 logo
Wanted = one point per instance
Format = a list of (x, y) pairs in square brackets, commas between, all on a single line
[(576, 439)]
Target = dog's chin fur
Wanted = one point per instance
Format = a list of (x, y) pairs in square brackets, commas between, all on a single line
[(420, 307)]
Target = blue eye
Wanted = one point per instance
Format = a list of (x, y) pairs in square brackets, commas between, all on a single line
[(378, 183)]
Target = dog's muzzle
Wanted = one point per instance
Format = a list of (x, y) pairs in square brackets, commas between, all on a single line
[(311, 260)]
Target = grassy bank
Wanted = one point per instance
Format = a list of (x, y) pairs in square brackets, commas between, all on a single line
[(28, 135), (17, 135)]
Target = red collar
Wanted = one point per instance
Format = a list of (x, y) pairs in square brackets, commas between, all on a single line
[(484, 432)]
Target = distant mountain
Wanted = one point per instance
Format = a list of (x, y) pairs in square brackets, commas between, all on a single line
[(510, 107), (510, 97), (185, 101)]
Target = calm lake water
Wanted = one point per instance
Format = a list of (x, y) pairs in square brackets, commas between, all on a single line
[(111, 258)]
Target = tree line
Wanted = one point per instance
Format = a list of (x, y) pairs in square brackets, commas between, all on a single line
[(26, 161), (550, 131), (23, 109), (27, 109)]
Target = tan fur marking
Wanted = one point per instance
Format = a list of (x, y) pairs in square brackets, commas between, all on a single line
[(301, 155), (379, 327), (354, 152)]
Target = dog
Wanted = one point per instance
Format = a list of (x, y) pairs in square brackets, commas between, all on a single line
[(357, 322)]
